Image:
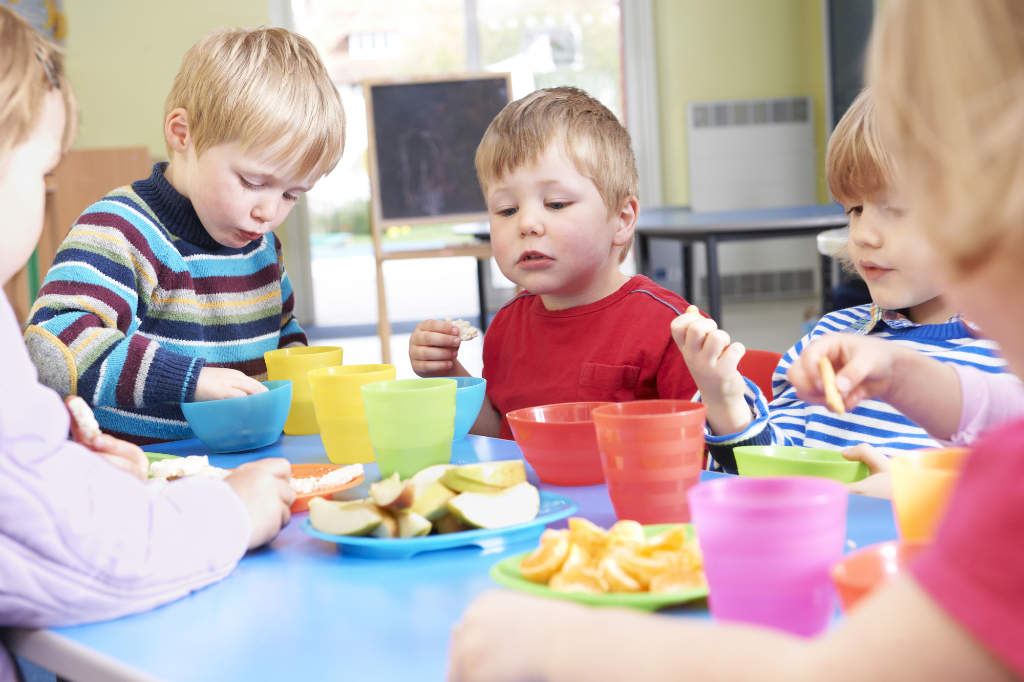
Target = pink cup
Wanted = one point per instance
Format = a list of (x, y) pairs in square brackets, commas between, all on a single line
[(651, 453), (768, 545)]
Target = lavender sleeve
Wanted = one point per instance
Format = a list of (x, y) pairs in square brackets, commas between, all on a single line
[(81, 540), (988, 400)]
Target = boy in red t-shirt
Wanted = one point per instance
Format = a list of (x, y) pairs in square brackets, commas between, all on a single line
[(560, 182)]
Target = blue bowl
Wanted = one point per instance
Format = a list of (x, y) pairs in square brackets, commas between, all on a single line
[(244, 423), (469, 396)]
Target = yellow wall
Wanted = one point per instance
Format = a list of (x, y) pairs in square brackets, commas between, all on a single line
[(122, 57), (733, 49)]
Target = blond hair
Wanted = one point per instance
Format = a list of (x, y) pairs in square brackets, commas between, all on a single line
[(264, 89), (32, 67), (949, 84), (583, 128), (857, 166)]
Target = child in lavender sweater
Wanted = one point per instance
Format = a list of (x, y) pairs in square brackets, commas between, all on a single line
[(80, 539)]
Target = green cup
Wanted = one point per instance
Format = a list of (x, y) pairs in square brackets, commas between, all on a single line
[(411, 423), (791, 460)]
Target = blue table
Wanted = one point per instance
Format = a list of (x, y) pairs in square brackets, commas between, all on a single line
[(712, 227), (300, 610)]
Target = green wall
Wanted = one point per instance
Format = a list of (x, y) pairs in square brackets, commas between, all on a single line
[(733, 49), (123, 56)]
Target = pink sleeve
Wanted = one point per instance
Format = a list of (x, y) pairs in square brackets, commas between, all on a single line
[(974, 567), (988, 400), (79, 539)]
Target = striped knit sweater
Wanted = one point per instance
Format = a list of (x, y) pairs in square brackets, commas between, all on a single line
[(789, 420), (140, 298)]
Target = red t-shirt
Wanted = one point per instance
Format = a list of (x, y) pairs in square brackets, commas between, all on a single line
[(619, 348), (975, 567)]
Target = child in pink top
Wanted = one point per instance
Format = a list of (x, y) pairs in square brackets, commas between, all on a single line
[(949, 85), (80, 539)]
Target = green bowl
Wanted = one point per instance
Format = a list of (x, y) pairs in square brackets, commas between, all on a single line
[(789, 460)]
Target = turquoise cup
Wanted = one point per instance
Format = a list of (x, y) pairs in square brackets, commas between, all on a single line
[(411, 422)]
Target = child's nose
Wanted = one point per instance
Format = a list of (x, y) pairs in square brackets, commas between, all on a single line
[(529, 223), (264, 210)]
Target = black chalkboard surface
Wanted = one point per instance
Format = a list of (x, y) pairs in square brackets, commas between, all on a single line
[(423, 138)]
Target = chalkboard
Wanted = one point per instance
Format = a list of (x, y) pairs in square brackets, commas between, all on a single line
[(423, 138)]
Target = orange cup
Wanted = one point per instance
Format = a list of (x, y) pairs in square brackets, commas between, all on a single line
[(651, 453), (860, 573), (921, 484)]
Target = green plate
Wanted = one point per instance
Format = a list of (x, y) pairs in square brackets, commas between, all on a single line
[(507, 573)]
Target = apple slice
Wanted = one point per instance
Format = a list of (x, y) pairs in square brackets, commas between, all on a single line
[(411, 524), (357, 517), (388, 527), (459, 483), (424, 477), (432, 502), (517, 504), (449, 523), (501, 474), (392, 493)]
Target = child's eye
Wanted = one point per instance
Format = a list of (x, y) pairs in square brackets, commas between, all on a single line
[(248, 185), (506, 212), (557, 205), (855, 210), (291, 197)]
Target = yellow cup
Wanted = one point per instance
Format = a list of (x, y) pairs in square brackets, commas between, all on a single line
[(921, 485), (294, 364), (338, 404)]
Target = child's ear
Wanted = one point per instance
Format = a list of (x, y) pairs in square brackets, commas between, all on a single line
[(176, 130), (626, 218)]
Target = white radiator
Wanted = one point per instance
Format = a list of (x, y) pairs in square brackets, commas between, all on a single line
[(750, 154)]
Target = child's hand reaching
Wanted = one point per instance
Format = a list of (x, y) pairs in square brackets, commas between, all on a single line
[(878, 483), (122, 454), (712, 358), (434, 349), (217, 383), (264, 488)]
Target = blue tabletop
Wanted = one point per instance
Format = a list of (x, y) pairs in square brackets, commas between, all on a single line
[(301, 610)]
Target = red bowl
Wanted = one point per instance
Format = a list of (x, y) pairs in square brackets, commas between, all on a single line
[(559, 442), (862, 571)]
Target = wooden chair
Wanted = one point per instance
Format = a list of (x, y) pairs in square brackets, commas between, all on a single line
[(83, 176), (758, 366)]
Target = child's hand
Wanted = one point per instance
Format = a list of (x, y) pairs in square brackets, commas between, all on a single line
[(433, 349), (264, 488), (523, 624), (878, 483), (712, 358), (122, 454), (864, 368), (217, 383)]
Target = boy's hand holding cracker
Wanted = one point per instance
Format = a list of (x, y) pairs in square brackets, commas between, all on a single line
[(85, 430), (434, 347)]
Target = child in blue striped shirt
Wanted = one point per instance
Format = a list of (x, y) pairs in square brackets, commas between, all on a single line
[(907, 308)]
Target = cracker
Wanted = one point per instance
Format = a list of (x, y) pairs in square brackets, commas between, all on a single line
[(692, 309), (466, 330), (833, 400), (85, 420)]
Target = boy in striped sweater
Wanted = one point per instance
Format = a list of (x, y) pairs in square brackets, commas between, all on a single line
[(907, 309), (172, 288)]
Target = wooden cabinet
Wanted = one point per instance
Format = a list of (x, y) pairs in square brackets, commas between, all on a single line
[(83, 176)]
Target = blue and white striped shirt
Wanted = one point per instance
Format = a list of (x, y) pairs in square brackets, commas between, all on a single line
[(788, 420)]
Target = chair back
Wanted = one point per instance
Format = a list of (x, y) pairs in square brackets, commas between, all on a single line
[(758, 366)]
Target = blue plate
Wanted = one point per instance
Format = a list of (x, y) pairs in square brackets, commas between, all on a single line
[(552, 508)]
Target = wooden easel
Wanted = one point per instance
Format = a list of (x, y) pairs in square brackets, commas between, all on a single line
[(379, 222)]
